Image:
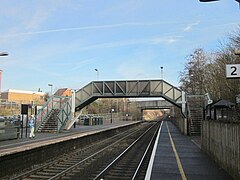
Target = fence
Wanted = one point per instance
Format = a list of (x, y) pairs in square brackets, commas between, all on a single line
[(9, 131), (221, 141)]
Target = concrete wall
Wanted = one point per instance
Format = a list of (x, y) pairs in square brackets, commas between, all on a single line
[(181, 124), (221, 141), (17, 162), (180, 121), (8, 131)]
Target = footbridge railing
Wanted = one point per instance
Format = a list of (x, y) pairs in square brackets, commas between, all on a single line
[(127, 89)]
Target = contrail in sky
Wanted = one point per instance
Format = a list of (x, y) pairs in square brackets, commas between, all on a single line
[(94, 27), (101, 27)]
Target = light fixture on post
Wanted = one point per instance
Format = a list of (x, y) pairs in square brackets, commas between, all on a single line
[(161, 69), (112, 110), (32, 104), (2, 54), (97, 73), (51, 85)]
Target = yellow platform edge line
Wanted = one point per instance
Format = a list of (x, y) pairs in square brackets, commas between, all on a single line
[(176, 155)]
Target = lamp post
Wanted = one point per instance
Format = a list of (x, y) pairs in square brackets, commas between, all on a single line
[(97, 73), (32, 107), (3, 54), (51, 85), (127, 114), (112, 110), (161, 69), (237, 53), (1, 83)]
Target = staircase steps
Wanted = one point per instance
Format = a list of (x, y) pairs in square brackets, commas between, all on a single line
[(196, 105), (51, 122)]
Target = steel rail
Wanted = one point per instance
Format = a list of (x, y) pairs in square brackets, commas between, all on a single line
[(64, 172), (123, 153), (25, 174), (145, 153)]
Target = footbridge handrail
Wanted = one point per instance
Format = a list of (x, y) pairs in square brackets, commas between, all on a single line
[(128, 89)]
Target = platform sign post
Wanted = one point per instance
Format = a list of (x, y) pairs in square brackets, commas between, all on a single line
[(24, 111), (233, 70)]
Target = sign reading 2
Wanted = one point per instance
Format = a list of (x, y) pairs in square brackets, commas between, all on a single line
[(233, 70)]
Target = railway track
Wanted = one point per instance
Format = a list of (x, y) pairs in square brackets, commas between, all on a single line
[(101, 160), (133, 161)]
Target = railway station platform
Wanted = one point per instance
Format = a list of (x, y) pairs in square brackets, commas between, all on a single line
[(175, 156), (12, 146)]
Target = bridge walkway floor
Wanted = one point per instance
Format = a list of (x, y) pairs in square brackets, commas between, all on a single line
[(177, 157)]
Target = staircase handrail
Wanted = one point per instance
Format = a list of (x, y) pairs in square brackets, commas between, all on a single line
[(189, 119), (46, 109), (72, 120), (65, 113)]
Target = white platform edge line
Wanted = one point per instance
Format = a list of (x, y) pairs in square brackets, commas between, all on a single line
[(150, 165)]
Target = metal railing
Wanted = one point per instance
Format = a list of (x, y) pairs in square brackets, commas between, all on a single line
[(54, 102), (65, 113)]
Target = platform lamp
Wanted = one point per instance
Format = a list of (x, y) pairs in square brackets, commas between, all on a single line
[(161, 69), (50, 85), (237, 53), (112, 110), (2, 54), (97, 73)]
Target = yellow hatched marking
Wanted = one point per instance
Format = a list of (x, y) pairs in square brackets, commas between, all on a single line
[(176, 155)]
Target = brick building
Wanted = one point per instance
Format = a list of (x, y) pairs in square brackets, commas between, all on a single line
[(63, 92), (24, 97)]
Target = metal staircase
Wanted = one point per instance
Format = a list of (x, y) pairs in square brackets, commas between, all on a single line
[(195, 113), (54, 115), (50, 123)]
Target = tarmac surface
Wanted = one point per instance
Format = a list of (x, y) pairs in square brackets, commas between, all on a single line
[(16, 145), (177, 157)]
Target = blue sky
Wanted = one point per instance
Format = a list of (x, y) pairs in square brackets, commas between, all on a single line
[(63, 41)]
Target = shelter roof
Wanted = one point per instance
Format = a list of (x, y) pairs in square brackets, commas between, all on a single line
[(223, 103)]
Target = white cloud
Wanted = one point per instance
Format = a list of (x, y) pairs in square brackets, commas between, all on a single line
[(190, 26), (151, 41)]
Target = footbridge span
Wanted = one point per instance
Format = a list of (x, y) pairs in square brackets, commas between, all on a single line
[(64, 108), (128, 89)]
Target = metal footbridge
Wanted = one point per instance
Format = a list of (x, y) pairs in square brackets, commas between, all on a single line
[(127, 89), (107, 89)]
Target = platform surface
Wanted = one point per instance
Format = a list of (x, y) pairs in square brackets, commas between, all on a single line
[(178, 157), (41, 139)]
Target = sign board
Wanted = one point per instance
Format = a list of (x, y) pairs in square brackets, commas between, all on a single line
[(233, 70), (24, 108)]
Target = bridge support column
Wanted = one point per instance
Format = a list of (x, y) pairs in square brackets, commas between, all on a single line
[(183, 102), (142, 118), (73, 102), (185, 126)]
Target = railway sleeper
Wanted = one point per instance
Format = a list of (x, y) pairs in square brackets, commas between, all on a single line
[(35, 176)]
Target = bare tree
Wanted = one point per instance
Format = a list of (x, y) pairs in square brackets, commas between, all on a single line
[(193, 78), (205, 72)]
